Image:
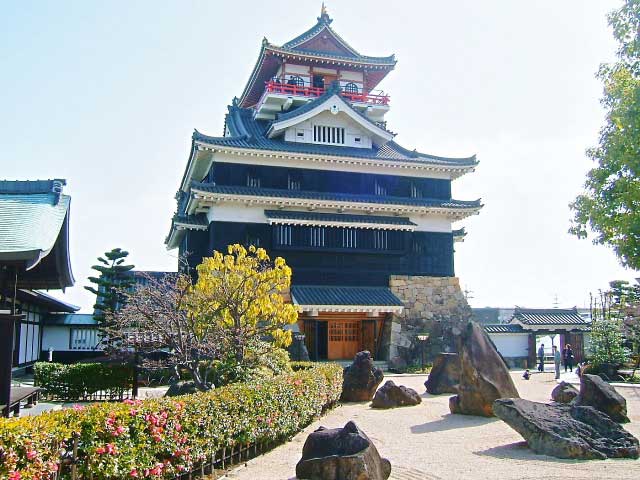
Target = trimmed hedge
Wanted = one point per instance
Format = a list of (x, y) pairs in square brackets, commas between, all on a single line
[(81, 381), (162, 438)]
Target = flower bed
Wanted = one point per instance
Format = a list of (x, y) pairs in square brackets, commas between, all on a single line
[(83, 381), (163, 438)]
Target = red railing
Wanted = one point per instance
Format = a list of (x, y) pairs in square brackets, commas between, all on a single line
[(304, 91)]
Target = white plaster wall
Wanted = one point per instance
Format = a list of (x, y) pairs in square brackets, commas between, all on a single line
[(56, 338), (431, 223), (328, 119), (318, 165), (351, 76), (511, 344)]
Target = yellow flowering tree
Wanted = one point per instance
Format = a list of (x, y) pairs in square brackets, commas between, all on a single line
[(242, 292)]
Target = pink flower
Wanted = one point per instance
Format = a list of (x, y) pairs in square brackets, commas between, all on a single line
[(78, 408), (31, 454), (14, 476), (157, 470), (111, 449), (53, 466), (119, 431), (133, 472), (101, 450), (178, 427)]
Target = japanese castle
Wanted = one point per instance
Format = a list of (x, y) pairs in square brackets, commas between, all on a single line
[(307, 168)]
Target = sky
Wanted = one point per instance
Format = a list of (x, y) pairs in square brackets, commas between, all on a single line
[(107, 94)]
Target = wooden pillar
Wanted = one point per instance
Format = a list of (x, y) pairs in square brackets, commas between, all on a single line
[(531, 354), (7, 327)]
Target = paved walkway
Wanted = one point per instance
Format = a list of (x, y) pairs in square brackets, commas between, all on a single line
[(426, 442)]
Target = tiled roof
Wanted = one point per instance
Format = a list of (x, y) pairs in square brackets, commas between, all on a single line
[(549, 316), (343, 295), (86, 319), (198, 220), (503, 328), (338, 217), (46, 301), (339, 197), (247, 132)]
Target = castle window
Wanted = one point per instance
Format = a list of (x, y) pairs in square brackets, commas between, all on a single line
[(317, 236), (351, 88), (380, 188), (349, 238), (380, 239), (295, 80), (416, 191), (418, 246), (253, 238), (326, 134), (283, 235), (294, 182), (253, 180)]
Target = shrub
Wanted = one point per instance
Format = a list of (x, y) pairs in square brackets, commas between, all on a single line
[(82, 381), (297, 366), (161, 438)]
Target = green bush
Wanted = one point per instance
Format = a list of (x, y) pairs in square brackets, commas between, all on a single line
[(297, 366), (161, 438), (82, 381)]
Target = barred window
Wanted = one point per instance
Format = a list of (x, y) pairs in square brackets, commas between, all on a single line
[(351, 88), (381, 239), (380, 188), (283, 235), (325, 134), (317, 236), (349, 238), (293, 182), (83, 338), (253, 180), (416, 191)]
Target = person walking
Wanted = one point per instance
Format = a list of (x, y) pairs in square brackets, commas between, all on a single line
[(557, 359), (541, 358), (568, 358)]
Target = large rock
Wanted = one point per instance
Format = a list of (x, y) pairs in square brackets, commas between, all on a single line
[(391, 395), (597, 393), (445, 374), (181, 388), (564, 393), (361, 379), (398, 365), (341, 454), (567, 431), (484, 377)]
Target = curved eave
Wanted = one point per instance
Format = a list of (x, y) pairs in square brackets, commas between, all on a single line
[(425, 164), (177, 231), (201, 200), (314, 309)]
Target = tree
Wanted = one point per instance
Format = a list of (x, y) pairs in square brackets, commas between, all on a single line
[(626, 299), (111, 285), (610, 206), (159, 315), (607, 340), (242, 293)]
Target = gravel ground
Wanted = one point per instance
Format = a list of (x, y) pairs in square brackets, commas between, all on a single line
[(426, 442)]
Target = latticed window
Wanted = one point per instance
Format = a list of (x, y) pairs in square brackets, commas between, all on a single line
[(294, 182), (381, 239), (83, 338), (283, 235), (349, 238), (380, 188), (317, 236), (416, 191), (253, 180), (325, 134), (351, 88)]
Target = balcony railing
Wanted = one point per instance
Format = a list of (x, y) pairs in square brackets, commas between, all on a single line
[(308, 91)]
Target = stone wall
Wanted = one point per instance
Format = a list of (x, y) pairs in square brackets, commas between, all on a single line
[(431, 304)]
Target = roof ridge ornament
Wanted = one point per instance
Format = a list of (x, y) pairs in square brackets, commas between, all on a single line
[(324, 16)]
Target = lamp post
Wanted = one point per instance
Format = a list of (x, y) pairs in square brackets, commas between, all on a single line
[(299, 339), (422, 338)]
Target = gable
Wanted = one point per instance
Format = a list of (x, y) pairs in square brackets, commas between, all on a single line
[(325, 41), (327, 128)]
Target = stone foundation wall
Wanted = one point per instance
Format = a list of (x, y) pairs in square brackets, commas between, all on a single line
[(430, 303)]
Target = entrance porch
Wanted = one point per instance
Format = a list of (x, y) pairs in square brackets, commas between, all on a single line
[(339, 322)]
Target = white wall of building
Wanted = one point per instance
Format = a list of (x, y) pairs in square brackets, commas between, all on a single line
[(354, 135), (511, 344), (55, 338)]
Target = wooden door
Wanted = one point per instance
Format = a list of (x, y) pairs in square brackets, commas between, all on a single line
[(368, 331), (344, 339), (309, 330)]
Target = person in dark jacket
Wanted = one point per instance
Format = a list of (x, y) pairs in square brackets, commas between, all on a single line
[(568, 358), (541, 358)]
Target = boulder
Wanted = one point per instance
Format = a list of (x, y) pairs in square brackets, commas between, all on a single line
[(564, 393), (398, 365), (567, 431), (445, 374), (181, 388), (484, 376), (597, 393), (341, 454), (360, 379), (391, 395)]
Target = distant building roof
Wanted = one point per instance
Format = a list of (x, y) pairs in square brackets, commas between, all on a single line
[(34, 232), (548, 316), (503, 328), (71, 319)]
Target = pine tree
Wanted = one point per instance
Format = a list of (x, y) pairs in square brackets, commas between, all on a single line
[(114, 279)]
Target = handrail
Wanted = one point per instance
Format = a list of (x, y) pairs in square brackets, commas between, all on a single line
[(304, 91)]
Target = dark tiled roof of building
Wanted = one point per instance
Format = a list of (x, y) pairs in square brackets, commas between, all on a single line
[(247, 132), (460, 233), (338, 197), (338, 217), (46, 301), (503, 328), (198, 220), (343, 295), (548, 316), (31, 186)]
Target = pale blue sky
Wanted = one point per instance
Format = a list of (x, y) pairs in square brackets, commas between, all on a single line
[(107, 94)]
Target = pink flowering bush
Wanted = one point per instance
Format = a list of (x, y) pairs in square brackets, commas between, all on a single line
[(161, 438)]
